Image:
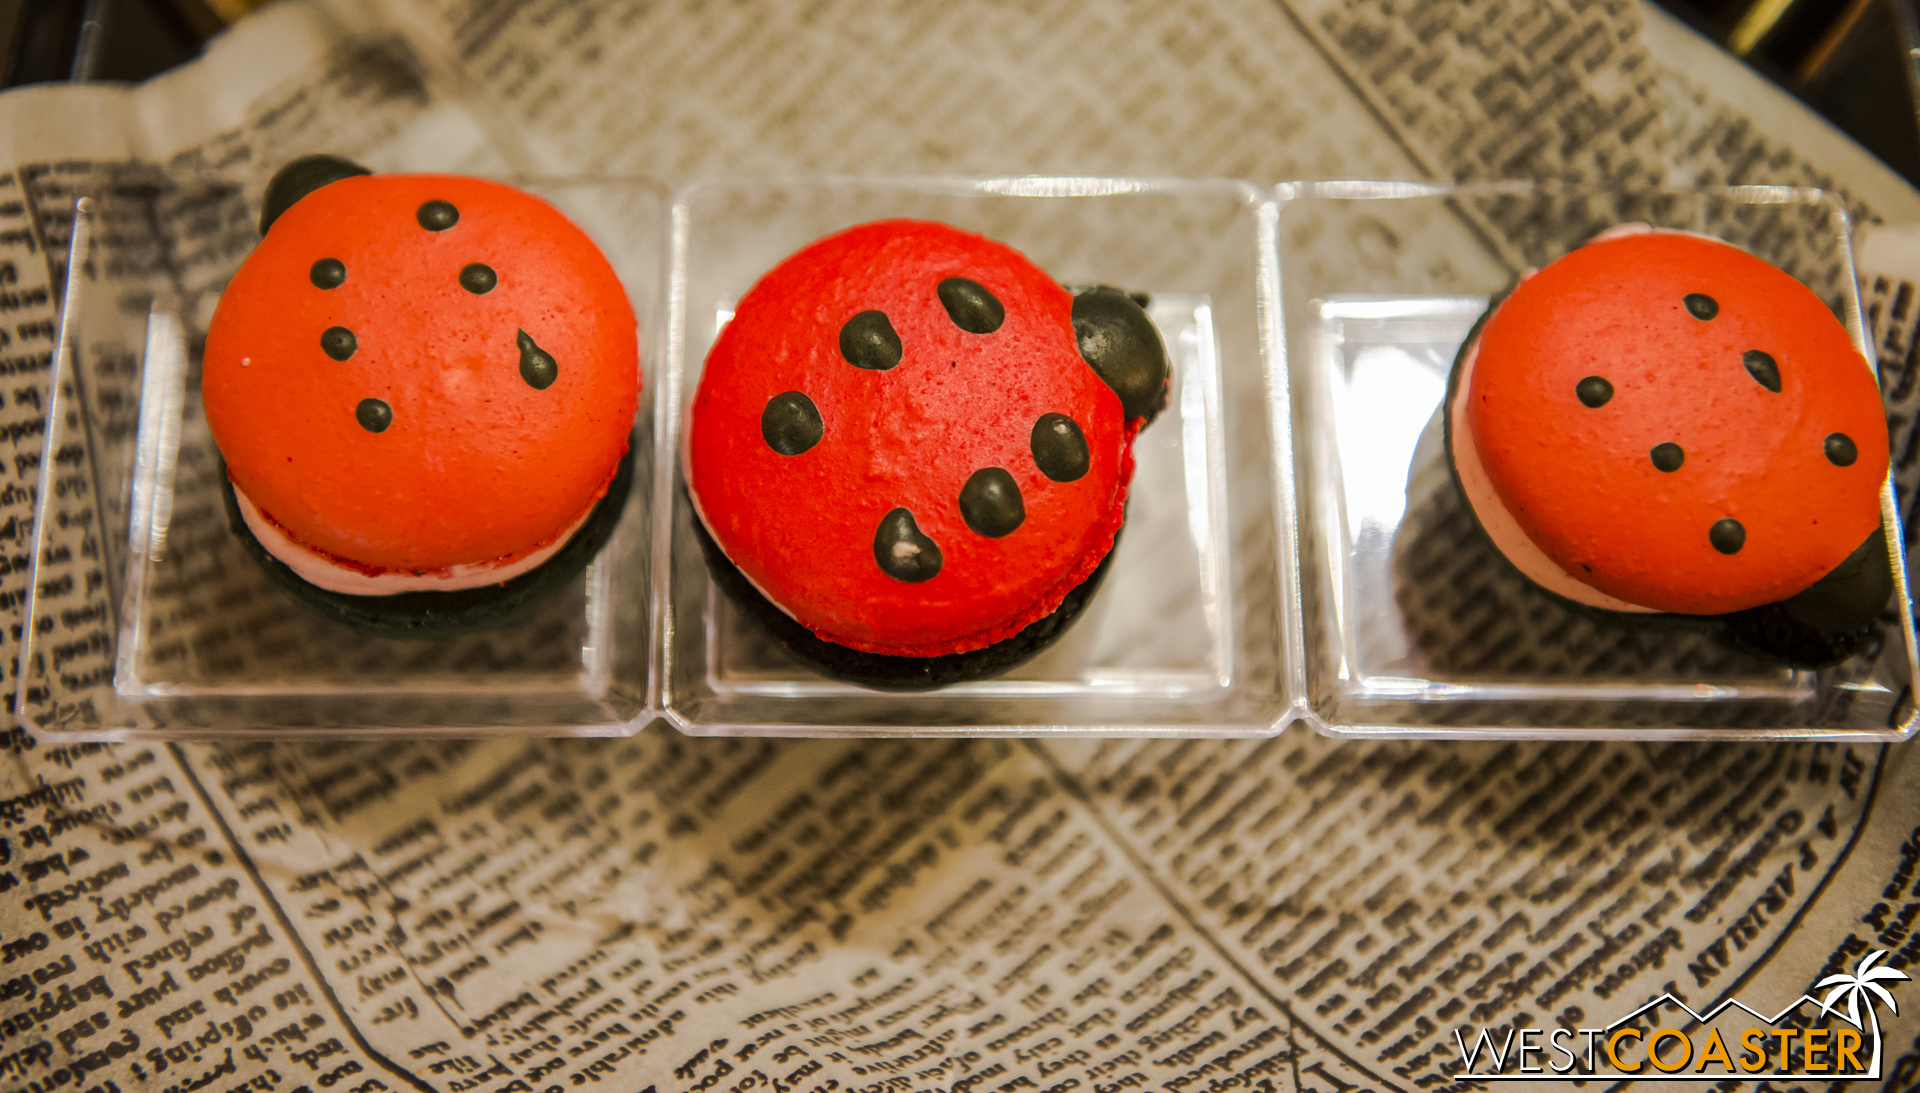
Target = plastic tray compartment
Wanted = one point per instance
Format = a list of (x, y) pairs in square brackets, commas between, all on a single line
[(1191, 631), (150, 621), (1414, 626)]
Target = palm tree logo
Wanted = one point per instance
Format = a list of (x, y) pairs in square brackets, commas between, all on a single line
[(1862, 984)]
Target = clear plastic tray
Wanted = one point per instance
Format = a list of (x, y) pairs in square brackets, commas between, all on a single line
[(150, 621), (1234, 608), (1193, 629), (1413, 626)]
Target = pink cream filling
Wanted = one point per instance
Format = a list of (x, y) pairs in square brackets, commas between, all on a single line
[(323, 572), (1502, 528)]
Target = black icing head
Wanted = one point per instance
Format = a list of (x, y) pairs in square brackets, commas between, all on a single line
[(300, 178), (1852, 594), (1122, 345)]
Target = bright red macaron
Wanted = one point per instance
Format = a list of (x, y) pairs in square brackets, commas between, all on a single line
[(914, 442)]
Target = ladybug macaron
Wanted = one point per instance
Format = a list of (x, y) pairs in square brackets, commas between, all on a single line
[(423, 389), (910, 451), (1660, 423)]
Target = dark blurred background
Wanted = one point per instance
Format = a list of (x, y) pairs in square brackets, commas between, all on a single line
[(1851, 60), (51, 40)]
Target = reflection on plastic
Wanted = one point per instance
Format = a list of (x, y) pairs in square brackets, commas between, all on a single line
[(1384, 363)]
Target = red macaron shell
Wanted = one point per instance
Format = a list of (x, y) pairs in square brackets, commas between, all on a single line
[(1582, 481), (802, 527), (477, 464)]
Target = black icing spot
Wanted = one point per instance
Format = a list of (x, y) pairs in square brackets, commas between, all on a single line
[(437, 216), (1121, 344), (1593, 392), (1668, 457), (478, 279), (338, 342), (1060, 448), (300, 178), (537, 366), (1701, 305), (1727, 536), (990, 502), (791, 423), (1840, 450), (868, 341), (971, 307), (902, 551), (373, 415), (328, 273), (1763, 368)]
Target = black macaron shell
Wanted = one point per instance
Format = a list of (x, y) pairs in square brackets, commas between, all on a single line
[(879, 671), (462, 611)]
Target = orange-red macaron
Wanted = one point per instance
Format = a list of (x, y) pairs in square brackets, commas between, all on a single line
[(1662, 422), (421, 374)]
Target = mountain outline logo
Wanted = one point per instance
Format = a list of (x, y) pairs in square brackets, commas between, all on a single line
[(1841, 1046)]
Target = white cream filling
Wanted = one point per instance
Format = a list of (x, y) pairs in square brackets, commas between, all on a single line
[(1502, 528), (322, 572)]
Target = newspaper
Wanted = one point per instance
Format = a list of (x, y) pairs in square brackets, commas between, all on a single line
[(660, 913)]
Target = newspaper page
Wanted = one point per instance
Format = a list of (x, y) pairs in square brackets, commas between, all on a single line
[(962, 916)]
